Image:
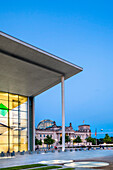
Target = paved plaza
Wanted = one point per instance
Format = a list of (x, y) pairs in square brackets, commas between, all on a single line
[(66, 156)]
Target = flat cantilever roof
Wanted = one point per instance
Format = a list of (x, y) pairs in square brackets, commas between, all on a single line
[(28, 70)]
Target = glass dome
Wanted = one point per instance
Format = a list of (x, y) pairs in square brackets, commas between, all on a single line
[(45, 124)]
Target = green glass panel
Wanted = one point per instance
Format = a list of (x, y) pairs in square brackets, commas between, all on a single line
[(2, 111)]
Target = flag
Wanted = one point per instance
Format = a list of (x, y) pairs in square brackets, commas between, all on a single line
[(95, 132), (83, 121)]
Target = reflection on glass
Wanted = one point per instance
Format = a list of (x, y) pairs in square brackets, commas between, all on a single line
[(23, 123), (3, 104), (13, 105), (22, 99), (13, 122)]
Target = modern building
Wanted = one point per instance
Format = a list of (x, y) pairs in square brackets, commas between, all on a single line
[(56, 132), (25, 72)]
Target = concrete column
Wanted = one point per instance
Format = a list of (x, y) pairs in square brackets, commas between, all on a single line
[(63, 114), (31, 125)]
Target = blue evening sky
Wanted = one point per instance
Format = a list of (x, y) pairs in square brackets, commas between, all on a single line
[(80, 31)]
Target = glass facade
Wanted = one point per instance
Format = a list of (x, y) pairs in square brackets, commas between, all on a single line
[(13, 122)]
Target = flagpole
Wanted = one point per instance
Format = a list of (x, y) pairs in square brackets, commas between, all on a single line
[(96, 135)]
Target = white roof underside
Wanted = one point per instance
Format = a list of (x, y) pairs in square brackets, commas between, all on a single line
[(28, 70)]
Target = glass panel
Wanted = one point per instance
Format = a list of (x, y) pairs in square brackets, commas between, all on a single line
[(3, 104), (23, 139), (23, 115), (3, 130), (14, 132), (13, 101), (3, 122), (3, 113), (3, 96), (23, 123), (13, 123), (4, 147), (4, 139), (13, 98), (23, 107), (14, 147), (14, 139), (23, 147), (23, 131), (13, 128), (13, 114), (13, 105), (22, 99)]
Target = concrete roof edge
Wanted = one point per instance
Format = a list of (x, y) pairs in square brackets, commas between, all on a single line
[(39, 50)]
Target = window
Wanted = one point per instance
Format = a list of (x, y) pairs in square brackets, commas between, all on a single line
[(13, 122)]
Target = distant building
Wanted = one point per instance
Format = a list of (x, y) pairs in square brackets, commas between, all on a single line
[(49, 127), (45, 124)]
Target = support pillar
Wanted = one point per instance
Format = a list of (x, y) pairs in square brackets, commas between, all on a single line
[(63, 114), (31, 125)]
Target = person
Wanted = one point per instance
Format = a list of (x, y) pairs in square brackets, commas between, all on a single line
[(55, 147)]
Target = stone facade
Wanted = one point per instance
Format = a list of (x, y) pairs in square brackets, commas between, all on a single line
[(56, 132)]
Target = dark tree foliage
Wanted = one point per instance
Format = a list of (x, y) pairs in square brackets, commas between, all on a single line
[(67, 139), (38, 142), (111, 139), (77, 140), (100, 141), (49, 141), (90, 139), (107, 139)]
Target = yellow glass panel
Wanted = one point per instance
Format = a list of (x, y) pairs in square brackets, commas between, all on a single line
[(23, 139), (3, 96), (14, 139), (14, 147), (4, 148), (23, 147), (14, 133), (22, 99), (4, 138), (13, 97), (13, 105), (13, 101)]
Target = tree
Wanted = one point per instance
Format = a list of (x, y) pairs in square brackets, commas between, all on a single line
[(111, 139), (38, 142), (107, 139), (67, 139), (49, 141), (90, 139), (77, 140), (100, 141)]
